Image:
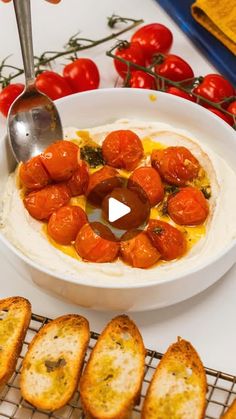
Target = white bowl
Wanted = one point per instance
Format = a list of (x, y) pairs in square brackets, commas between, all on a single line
[(104, 106)]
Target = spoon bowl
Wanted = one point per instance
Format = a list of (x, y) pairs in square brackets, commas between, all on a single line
[(33, 124), (33, 120)]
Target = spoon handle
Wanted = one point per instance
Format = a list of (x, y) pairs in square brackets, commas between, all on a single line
[(23, 19)]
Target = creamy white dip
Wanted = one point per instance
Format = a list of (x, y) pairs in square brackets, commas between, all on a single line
[(27, 236)]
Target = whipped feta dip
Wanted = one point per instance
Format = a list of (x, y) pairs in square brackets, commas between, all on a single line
[(27, 236)]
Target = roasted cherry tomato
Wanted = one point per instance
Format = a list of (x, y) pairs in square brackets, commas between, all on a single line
[(122, 149), (137, 203), (137, 250), (178, 92), (41, 204), (82, 74), (65, 223), (188, 206), (142, 80), (169, 241), (53, 85), (176, 165), (96, 243), (101, 183), (232, 107), (225, 117), (61, 160), (150, 182), (33, 174), (153, 38), (78, 183), (8, 95), (174, 68), (130, 51), (215, 88)]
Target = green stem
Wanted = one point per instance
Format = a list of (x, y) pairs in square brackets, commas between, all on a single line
[(78, 47)]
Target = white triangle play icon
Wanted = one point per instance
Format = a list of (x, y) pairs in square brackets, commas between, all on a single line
[(116, 209)]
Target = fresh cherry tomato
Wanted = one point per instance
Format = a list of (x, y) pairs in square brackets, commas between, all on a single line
[(122, 149), (130, 51), (137, 250), (153, 38), (61, 159), (174, 68), (101, 183), (65, 223), (188, 206), (96, 243), (150, 182), (225, 117), (82, 74), (142, 80), (178, 92), (41, 204), (169, 241), (53, 85), (33, 174), (215, 88), (232, 107), (78, 183), (8, 95), (176, 165)]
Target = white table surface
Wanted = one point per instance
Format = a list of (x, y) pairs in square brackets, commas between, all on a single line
[(207, 320)]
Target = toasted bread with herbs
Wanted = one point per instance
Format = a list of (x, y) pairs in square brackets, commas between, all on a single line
[(231, 412), (15, 315), (111, 383), (53, 363), (178, 387)]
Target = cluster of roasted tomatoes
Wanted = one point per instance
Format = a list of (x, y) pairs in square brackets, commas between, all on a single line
[(146, 43), (51, 179)]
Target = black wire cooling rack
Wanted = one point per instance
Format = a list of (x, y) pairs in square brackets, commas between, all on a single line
[(221, 387)]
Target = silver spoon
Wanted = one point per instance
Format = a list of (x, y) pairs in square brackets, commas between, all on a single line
[(33, 120)]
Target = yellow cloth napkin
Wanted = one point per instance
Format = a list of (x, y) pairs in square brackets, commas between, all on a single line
[(219, 18)]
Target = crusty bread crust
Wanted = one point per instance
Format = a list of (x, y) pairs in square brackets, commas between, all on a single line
[(178, 386), (52, 366), (15, 313), (111, 383), (231, 412)]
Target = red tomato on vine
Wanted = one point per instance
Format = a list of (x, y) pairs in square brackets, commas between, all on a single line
[(82, 74), (141, 80), (215, 88), (153, 38), (232, 108), (178, 92), (53, 85), (130, 51), (8, 95), (174, 68)]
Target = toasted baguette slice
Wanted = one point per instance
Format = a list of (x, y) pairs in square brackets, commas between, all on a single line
[(231, 412), (111, 383), (53, 363), (178, 388), (15, 315)]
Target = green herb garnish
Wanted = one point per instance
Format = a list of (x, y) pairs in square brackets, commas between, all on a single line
[(92, 155), (206, 190)]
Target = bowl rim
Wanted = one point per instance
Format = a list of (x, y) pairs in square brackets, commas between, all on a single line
[(144, 283)]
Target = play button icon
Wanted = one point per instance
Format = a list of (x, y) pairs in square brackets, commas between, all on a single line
[(116, 209), (113, 204)]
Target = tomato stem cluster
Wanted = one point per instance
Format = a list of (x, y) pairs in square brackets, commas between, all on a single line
[(74, 44), (162, 83)]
